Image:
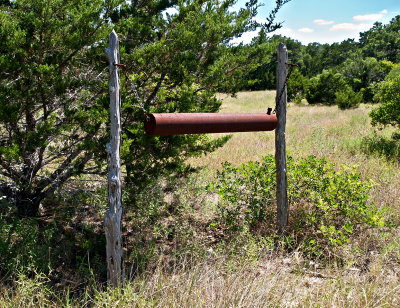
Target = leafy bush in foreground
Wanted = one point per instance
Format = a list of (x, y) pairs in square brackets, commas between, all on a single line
[(326, 206)]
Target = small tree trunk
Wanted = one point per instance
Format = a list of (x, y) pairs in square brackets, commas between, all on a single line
[(113, 217), (280, 143)]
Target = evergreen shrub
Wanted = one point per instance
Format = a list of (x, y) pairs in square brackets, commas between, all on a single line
[(346, 98)]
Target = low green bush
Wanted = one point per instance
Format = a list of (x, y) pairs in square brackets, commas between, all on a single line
[(296, 87), (321, 89), (326, 206), (47, 245), (388, 93), (346, 98), (25, 245), (246, 193)]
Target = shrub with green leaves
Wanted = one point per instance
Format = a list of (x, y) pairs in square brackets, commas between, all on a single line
[(24, 247), (296, 86), (246, 193), (388, 92), (360, 73), (321, 89), (346, 98), (326, 206)]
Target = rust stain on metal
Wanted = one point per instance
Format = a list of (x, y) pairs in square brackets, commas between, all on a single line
[(161, 124)]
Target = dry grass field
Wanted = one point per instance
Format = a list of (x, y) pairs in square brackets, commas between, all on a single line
[(368, 277)]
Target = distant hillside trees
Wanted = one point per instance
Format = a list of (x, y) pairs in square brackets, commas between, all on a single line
[(329, 74), (382, 41)]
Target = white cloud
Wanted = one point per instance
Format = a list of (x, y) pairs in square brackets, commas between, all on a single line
[(306, 30), (248, 36), (370, 17), (347, 26), (245, 38), (260, 20), (170, 11), (285, 32), (323, 22)]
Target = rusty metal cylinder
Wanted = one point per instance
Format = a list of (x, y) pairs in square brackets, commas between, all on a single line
[(161, 124)]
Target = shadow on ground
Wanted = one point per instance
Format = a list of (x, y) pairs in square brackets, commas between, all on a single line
[(382, 146)]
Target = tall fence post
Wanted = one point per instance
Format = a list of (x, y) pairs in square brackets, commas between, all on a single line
[(113, 217), (280, 142)]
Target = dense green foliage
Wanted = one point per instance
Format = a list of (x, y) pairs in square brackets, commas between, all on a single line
[(40, 245), (382, 41), (326, 206), (52, 95), (346, 98), (296, 87), (322, 88), (53, 89), (325, 71), (25, 246), (388, 92)]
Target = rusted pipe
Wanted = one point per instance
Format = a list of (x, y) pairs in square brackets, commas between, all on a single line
[(161, 124)]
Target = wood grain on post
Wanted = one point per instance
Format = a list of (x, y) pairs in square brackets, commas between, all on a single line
[(113, 217), (280, 142)]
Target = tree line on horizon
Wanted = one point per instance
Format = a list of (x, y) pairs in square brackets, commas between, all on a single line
[(345, 73)]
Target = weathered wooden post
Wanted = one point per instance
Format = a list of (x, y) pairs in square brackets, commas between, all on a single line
[(113, 217), (280, 142)]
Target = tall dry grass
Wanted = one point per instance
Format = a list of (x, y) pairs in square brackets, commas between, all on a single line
[(271, 282)]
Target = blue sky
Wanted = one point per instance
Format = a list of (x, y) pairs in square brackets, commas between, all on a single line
[(327, 21)]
